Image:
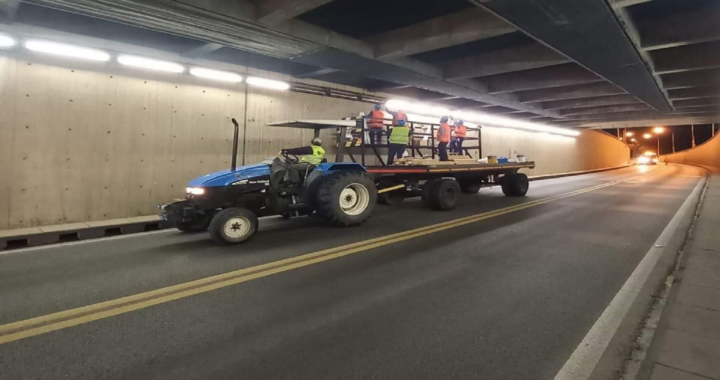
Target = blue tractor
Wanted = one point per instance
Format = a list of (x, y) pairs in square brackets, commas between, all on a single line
[(228, 203)]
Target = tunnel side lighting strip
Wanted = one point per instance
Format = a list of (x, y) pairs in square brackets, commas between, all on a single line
[(223, 76), (6, 42), (476, 117), (268, 83), (150, 64), (65, 50)]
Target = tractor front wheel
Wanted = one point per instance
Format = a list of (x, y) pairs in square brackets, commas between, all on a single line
[(233, 225), (346, 198)]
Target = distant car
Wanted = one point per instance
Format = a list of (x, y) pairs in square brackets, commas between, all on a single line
[(648, 158)]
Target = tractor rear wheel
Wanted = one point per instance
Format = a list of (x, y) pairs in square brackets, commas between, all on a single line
[(346, 198), (515, 185), (233, 225)]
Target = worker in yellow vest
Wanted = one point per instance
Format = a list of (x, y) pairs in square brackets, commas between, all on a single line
[(398, 141), (310, 156)]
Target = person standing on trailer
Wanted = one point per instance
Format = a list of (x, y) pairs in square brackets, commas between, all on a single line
[(443, 138), (460, 133), (397, 116), (375, 124), (398, 141)]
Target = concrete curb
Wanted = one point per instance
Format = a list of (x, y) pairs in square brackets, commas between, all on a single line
[(36, 236)]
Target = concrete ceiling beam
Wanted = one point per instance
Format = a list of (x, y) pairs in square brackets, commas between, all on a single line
[(683, 120), (548, 77), (508, 60), (610, 100), (686, 79), (606, 109), (569, 92), (694, 93), (616, 4), (441, 32), (275, 12), (585, 31), (633, 115), (699, 102), (203, 50), (8, 8), (680, 29), (316, 73), (687, 58)]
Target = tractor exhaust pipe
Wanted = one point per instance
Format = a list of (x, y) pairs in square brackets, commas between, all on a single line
[(235, 145)]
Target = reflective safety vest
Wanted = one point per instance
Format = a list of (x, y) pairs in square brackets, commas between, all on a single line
[(315, 158), (397, 116), (443, 133), (375, 120), (400, 135), (461, 131)]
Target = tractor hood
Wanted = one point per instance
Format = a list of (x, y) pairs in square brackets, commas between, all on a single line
[(229, 177)]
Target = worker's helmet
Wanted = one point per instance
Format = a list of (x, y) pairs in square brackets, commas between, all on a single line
[(444, 119), (316, 141), (378, 106), (459, 122), (401, 122)]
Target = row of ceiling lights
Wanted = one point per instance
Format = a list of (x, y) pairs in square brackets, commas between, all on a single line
[(78, 52), (72, 51)]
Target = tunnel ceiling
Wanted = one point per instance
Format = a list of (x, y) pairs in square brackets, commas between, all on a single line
[(581, 63)]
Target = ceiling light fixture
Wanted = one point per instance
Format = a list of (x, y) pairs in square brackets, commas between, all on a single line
[(218, 75), (268, 83), (65, 50), (150, 64)]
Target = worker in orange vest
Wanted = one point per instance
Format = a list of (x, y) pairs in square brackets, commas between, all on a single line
[(375, 124), (459, 136), (443, 138), (397, 116)]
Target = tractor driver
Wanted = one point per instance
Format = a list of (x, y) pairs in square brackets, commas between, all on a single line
[(310, 156)]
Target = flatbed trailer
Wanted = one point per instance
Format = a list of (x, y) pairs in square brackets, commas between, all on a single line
[(440, 185)]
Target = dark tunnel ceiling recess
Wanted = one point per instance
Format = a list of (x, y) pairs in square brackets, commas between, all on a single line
[(362, 19), (659, 54)]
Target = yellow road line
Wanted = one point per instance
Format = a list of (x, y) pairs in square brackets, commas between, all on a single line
[(44, 324)]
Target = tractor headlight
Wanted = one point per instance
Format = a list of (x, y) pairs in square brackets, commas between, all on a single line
[(195, 190)]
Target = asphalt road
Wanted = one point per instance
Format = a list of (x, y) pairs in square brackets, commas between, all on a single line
[(509, 296)]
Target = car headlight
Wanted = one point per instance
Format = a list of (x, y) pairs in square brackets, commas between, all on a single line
[(643, 160), (195, 190), (655, 160)]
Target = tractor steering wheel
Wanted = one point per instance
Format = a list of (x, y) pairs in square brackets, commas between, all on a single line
[(290, 160)]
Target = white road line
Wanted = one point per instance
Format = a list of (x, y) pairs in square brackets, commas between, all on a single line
[(583, 360)]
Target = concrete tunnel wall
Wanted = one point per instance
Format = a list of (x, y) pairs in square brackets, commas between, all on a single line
[(706, 154), (84, 142)]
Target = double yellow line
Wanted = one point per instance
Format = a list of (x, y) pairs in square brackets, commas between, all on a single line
[(47, 323)]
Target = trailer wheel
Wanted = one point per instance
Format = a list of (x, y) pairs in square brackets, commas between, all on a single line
[(233, 225), (425, 192), (391, 198), (515, 185), (469, 188), (346, 198), (197, 225), (444, 194)]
